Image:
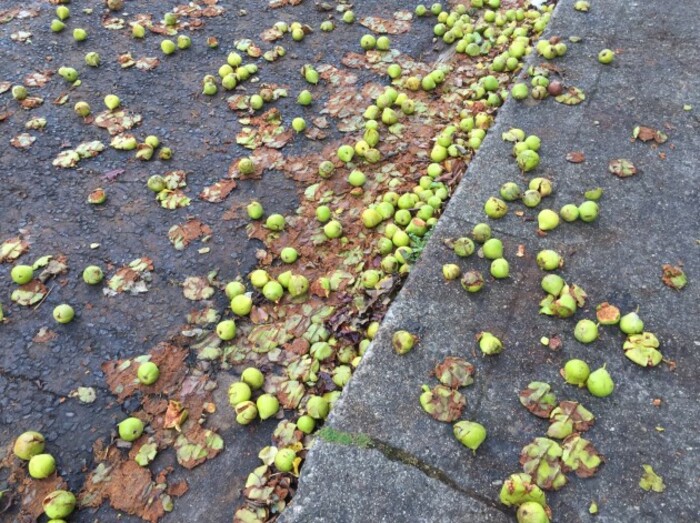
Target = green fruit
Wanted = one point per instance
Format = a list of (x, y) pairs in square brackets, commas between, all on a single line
[(156, 183), (631, 323), (333, 229), (68, 74), (317, 407), (569, 213), (519, 489), (553, 284), (138, 31), (606, 56), (299, 124), (258, 278), (62, 12), (594, 194), (549, 260), (528, 160), (368, 42), (41, 466), (256, 102), (348, 17), (371, 218), (253, 377), (82, 109), (170, 19), (239, 392), (599, 383), (92, 59), (233, 289), (586, 331), (19, 92), (510, 191), (246, 412), (470, 434), (28, 444), (472, 281), (323, 213), (306, 424), (531, 198), (588, 211), (357, 178), (184, 42), (289, 255), (92, 275), (57, 26), (22, 274), (275, 222), (304, 98), (325, 169), (492, 249), (168, 46), (403, 341), (463, 247), (63, 313), (489, 344), (345, 153), (226, 330), (267, 405), (284, 459), (130, 429), (112, 101), (450, 271), (59, 504), (519, 91), (79, 34), (576, 372), (383, 43), (298, 285), (148, 373), (273, 291), (255, 210), (500, 268), (394, 71), (532, 512), (481, 232), (495, 208), (547, 220)]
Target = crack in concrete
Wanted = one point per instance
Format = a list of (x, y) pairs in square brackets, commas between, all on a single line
[(398, 455)]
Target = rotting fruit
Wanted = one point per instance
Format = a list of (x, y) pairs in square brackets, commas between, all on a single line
[(59, 504), (532, 512), (403, 341), (28, 444), (470, 434)]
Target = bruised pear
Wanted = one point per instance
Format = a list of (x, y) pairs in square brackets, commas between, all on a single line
[(532, 512)]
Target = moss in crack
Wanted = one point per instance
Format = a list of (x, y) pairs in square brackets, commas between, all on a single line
[(340, 437)]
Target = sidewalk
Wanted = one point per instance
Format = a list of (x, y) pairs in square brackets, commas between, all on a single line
[(413, 469)]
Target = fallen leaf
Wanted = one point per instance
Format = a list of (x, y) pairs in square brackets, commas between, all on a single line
[(651, 480), (575, 157), (622, 168)]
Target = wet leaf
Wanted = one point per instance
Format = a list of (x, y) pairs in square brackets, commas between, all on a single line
[(146, 454), (29, 294), (118, 121), (651, 480), (181, 235), (646, 134), (175, 415), (36, 123), (219, 191), (84, 394), (572, 96), (580, 456), (642, 349), (12, 248), (132, 278), (454, 372), (22, 141), (673, 276), (385, 26), (538, 399), (542, 460), (567, 417), (622, 168), (197, 288), (170, 199), (575, 157), (442, 403)]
